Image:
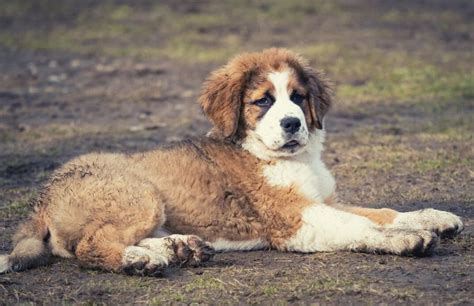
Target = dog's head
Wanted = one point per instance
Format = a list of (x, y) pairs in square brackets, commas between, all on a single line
[(270, 101)]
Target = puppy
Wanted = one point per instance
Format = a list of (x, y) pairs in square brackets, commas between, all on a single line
[(257, 181)]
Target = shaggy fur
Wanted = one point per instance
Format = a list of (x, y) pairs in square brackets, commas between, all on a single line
[(140, 213)]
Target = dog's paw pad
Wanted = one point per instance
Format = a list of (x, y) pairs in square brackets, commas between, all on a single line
[(202, 251), (190, 249), (448, 225), (411, 242)]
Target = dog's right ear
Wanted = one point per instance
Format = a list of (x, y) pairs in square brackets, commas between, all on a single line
[(320, 95), (221, 100)]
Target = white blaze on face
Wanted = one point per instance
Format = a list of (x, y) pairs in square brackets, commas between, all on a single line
[(268, 129)]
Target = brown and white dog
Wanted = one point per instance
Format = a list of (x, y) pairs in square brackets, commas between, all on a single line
[(257, 181)]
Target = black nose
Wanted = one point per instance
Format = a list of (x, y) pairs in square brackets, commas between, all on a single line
[(290, 124)]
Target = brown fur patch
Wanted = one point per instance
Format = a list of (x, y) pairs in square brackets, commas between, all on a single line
[(258, 90), (381, 216), (217, 191)]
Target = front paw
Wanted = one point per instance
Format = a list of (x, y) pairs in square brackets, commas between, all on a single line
[(409, 242), (444, 224)]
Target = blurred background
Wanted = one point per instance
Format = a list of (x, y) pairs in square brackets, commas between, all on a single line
[(124, 76)]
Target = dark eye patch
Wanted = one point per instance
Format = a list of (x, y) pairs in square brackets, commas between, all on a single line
[(263, 102), (297, 98), (266, 101)]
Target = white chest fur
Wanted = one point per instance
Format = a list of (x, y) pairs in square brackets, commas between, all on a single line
[(307, 173)]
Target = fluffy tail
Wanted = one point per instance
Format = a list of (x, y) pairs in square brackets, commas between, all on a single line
[(30, 247)]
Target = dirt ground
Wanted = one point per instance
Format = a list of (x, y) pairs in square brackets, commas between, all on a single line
[(123, 76)]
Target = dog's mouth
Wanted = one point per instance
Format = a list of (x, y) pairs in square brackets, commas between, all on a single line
[(289, 148), (291, 145)]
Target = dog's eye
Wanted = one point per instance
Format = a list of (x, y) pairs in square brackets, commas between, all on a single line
[(263, 102), (296, 98)]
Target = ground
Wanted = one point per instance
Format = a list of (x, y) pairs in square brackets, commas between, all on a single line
[(121, 76)]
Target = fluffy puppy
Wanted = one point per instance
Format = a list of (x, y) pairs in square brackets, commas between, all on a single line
[(257, 181)]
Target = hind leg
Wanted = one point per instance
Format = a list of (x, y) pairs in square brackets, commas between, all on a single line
[(117, 240), (102, 248), (105, 240), (111, 211)]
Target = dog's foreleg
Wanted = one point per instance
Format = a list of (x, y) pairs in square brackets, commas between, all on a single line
[(444, 224), (324, 228)]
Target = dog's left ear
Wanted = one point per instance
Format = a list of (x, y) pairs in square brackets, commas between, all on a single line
[(320, 95), (221, 99)]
